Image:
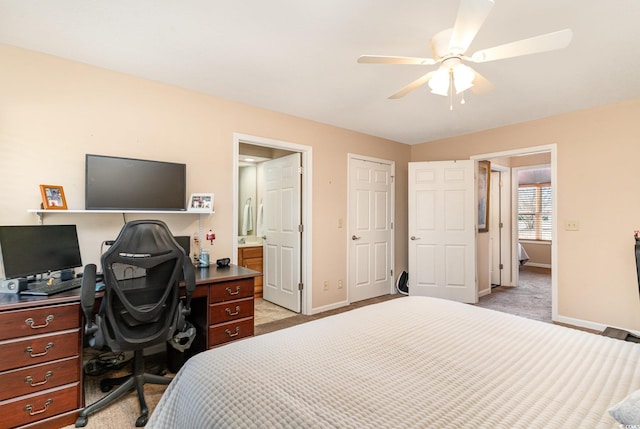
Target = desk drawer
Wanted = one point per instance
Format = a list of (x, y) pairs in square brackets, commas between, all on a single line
[(38, 349), (34, 321), (31, 408), (35, 378), (231, 310), (231, 290), (230, 331)]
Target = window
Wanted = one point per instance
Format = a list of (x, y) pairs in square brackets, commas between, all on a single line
[(534, 211)]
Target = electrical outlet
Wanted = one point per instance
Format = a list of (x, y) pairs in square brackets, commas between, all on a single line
[(340, 284), (326, 285), (571, 225)]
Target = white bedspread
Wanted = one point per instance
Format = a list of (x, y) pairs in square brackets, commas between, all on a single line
[(411, 362)]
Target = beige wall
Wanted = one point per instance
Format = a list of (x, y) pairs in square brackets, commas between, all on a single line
[(539, 253), (597, 185), (53, 112)]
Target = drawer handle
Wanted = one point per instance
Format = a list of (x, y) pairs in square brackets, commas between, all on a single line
[(28, 408), (30, 322), (230, 292), (34, 355), (233, 314), (232, 334), (29, 380)]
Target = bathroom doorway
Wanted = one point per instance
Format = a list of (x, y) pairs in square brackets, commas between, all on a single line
[(252, 247)]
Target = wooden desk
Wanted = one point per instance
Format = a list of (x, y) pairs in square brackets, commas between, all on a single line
[(41, 343)]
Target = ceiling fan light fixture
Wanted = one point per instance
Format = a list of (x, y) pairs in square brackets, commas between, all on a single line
[(439, 83), (463, 77)]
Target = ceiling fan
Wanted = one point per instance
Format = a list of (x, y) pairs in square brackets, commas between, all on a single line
[(449, 51)]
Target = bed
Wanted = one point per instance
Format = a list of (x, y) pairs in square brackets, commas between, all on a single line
[(410, 362)]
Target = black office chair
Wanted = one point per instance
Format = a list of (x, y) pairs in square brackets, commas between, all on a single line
[(141, 306)]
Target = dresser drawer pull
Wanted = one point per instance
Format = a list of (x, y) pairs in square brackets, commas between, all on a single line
[(28, 408), (34, 355), (30, 322), (235, 313), (232, 334), (230, 292), (29, 380)]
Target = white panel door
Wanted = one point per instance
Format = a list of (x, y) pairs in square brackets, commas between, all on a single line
[(369, 229), (442, 230), (281, 244)]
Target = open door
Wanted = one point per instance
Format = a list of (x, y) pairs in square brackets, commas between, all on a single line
[(282, 233), (442, 230)]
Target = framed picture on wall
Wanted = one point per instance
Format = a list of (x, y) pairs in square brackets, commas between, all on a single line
[(200, 203), (484, 175), (53, 197)]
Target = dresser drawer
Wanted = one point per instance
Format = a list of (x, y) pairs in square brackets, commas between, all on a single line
[(231, 310), (230, 331), (33, 321), (231, 290), (35, 378), (38, 349), (30, 408)]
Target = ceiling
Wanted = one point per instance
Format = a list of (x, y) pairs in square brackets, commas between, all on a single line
[(299, 57)]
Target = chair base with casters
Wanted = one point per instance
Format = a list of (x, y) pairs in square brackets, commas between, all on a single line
[(135, 381)]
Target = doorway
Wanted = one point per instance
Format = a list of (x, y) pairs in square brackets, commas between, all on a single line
[(263, 150), (511, 161)]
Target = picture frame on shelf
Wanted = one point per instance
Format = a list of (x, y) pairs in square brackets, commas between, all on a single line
[(484, 175), (200, 203), (53, 197)]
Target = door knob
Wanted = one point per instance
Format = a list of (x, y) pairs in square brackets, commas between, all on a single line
[(355, 237), (413, 237)]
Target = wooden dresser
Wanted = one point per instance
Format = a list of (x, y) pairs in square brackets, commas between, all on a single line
[(251, 257), (40, 363), (230, 311), (222, 307)]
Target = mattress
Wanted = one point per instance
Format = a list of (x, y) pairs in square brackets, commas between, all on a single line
[(410, 362)]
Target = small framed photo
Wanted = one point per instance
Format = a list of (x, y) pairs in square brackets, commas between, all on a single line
[(200, 203), (53, 197)]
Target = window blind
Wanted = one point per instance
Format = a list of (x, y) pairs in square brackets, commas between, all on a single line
[(534, 211)]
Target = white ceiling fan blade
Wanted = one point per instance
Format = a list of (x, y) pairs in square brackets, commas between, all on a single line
[(546, 42), (471, 16), (382, 59), (481, 85), (413, 85)]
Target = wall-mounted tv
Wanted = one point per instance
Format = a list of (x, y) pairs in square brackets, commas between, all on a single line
[(113, 183)]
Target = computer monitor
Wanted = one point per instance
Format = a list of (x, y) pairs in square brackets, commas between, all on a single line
[(29, 250)]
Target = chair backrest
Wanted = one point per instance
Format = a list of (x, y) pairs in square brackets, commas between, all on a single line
[(141, 304)]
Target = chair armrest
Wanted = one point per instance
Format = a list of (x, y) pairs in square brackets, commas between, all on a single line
[(189, 282), (88, 296)]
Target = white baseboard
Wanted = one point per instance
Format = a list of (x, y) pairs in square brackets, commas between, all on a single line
[(580, 323), (484, 292), (328, 307), (536, 264), (589, 325)]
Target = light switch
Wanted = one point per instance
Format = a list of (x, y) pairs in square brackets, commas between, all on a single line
[(571, 225)]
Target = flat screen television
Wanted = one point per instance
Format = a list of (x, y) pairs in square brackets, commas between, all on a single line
[(114, 183), (29, 250)]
